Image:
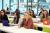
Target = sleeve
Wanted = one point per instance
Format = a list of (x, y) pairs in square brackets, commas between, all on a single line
[(7, 19)]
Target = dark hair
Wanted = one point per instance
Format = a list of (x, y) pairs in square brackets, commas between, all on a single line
[(17, 11), (3, 11), (5, 17), (33, 13), (41, 12), (46, 14)]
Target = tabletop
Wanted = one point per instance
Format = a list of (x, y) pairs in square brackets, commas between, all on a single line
[(16, 29)]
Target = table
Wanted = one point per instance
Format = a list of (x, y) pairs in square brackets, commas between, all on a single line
[(15, 29), (46, 28)]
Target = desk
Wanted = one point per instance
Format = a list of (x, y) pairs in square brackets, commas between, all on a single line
[(46, 28), (15, 29)]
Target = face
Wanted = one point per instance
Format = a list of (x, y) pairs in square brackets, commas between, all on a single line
[(2, 13), (14, 14), (45, 12), (31, 13), (26, 14)]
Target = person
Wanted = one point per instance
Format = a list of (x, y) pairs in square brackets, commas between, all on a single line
[(16, 16), (4, 18), (27, 21), (45, 15)]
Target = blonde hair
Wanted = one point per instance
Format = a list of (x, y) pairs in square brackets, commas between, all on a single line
[(27, 16)]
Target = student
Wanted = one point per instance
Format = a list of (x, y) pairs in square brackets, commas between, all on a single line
[(27, 21), (4, 18), (45, 17), (17, 16)]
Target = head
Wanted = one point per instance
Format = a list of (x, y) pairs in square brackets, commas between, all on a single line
[(17, 10), (3, 12), (27, 14), (45, 12), (15, 14)]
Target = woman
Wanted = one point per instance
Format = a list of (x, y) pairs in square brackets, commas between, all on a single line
[(45, 17), (27, 21), (17, 16), (4, 18)]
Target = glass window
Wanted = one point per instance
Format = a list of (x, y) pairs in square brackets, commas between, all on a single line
[(25, 1), (21, 1), (22, 8), (24, 5), (34, 7), (0, 4), (14, 5), (12, 1), (42, 0), (30, 0), (6, 4)]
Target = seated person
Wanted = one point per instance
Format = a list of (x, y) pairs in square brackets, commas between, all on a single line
[(27, 21), (45, 17), (17, 16), (4, 18)]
